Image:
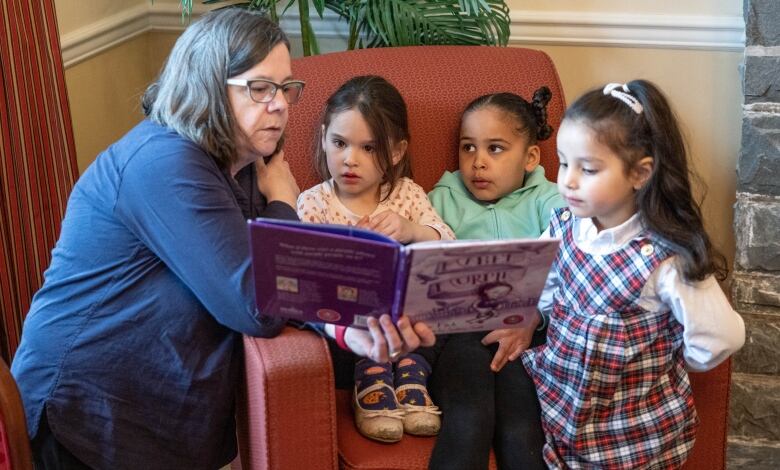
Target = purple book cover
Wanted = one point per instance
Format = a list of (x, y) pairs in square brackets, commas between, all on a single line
[(341, 274), (317, 272)]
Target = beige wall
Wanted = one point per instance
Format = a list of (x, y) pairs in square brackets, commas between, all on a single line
[(704, 88), (703, 85), (75, 14), (677, 7), (105, 91)]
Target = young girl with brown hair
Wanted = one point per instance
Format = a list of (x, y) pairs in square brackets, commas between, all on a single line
[(364, 161)]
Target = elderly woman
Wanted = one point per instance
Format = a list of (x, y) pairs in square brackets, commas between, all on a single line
[(132, 348)]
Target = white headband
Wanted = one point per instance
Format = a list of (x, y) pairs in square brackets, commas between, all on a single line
[(624, 95)]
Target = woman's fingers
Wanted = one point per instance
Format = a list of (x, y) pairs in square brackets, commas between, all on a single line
[(408, 336), (423, 333), (378, 351), (394, 342), (275, 180), (277, 157), (384, 338), (414, 336)]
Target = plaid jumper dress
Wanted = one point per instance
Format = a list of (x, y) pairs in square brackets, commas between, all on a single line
[(611, 380)]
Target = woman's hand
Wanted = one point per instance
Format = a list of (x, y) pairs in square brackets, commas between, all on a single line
[(275, 180), (398, 228), (383, 338), (511, 342)]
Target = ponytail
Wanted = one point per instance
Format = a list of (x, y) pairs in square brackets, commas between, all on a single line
[(539, 103), (666, 204), (532, 117)]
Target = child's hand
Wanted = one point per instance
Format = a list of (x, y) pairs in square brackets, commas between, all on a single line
[(511, 342), (363, 222), (398, 228), (392, 225)]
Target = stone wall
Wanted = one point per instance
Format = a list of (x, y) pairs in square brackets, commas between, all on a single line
[(754, 434)]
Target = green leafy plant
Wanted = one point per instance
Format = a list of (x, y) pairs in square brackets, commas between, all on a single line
[(381, 23)]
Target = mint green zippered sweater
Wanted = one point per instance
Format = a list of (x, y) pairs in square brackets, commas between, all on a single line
[(523, 213)]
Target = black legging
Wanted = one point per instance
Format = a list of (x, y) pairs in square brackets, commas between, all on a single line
[(482, 409)]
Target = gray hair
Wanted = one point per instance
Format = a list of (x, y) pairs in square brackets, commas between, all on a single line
[(190, 95)]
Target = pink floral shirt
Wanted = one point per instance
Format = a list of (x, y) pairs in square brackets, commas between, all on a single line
[(320, 204)]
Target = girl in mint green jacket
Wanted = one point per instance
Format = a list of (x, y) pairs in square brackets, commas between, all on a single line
[(486, 397)]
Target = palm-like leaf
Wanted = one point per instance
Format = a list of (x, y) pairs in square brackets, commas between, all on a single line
[(413, 22), (308, 39), (377, 23), (266, 6)]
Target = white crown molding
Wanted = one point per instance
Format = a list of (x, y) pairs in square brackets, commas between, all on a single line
[(94, 38), (88, 41), (628, 30), (168, 16), (527, 27)]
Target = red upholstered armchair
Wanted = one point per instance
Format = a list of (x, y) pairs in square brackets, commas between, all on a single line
[(289, 415), (15, 453)]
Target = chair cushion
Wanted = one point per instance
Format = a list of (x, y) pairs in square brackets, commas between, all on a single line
[(358, 452)]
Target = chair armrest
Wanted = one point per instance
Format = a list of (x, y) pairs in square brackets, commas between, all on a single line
[(711, 395), (286, 409)]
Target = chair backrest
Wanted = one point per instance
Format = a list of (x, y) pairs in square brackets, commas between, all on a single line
[(14, 443), (437, 82)]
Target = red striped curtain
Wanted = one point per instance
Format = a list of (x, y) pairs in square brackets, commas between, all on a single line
[(37, 156)]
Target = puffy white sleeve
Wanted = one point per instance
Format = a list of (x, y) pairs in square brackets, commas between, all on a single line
[(545, 304), (712, 330)]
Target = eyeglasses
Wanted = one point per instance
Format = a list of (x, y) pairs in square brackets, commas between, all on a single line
[(263, 91)]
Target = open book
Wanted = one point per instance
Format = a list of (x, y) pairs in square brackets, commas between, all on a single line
[(342, 274)]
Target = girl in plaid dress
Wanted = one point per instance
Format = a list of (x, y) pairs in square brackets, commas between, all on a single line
[(632, 300)]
